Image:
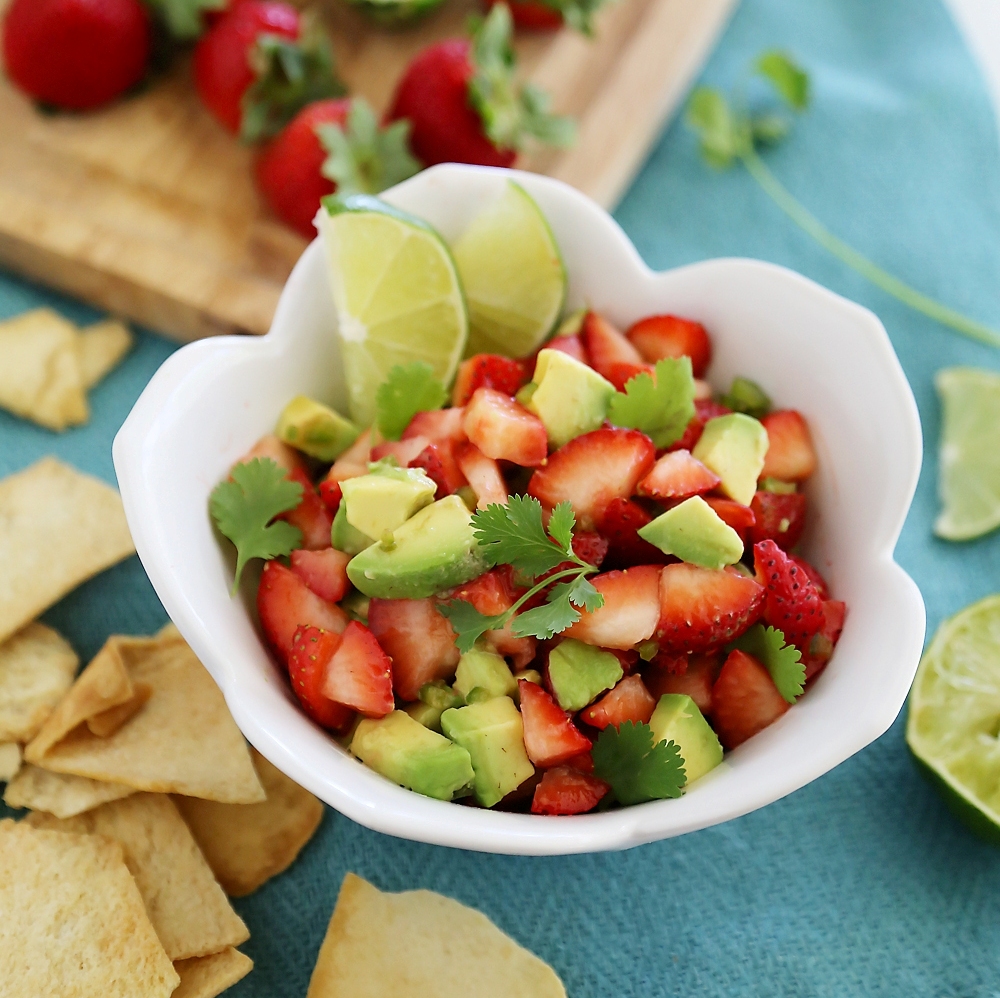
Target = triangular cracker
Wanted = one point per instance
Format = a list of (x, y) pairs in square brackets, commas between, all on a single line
[(208, 976), (10, 761), (102, 346), (59, 793)]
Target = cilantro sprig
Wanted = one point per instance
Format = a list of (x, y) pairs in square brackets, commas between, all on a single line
[(244, 505), (783, 661), (408, 389), (659, 404), (515, 535), (638, 770)]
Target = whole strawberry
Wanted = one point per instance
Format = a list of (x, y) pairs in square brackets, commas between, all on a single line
[(259, 64), (330, 145), (463, 105), (76, 54), (547, 15)]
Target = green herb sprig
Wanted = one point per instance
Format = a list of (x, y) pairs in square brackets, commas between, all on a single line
[(638, 770)]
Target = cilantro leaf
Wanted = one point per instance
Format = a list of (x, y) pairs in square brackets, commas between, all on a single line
[(184, 18), (661, 405), (468, 623), (244, 505), (514, 535), (561, 524), (790, 81), (581, 592), (638, 770), (408, 389), (783, 661), (547, 620), (709, 115)]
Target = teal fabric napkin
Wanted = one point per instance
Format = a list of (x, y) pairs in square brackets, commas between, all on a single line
[(861, 884)]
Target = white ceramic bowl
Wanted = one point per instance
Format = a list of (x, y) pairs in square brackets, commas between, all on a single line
[(809, 348)]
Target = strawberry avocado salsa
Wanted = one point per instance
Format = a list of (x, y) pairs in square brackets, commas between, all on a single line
[(568, 583)]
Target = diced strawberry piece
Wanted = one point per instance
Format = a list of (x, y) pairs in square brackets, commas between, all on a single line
[(331, 494), (706, 409), (418, 639), (483, 475), (270, 446), (504, 430), (825, 639), (605, 346), (741, 518), (628, 701), (438, 462), (354, 461), (571, 345), (621, 374), (793, 605), (695, 681), (564, 790), (593, 469), (678, 475), (550, 736), (779, 517), (324, 572), (284, 602), (359, 675), (438, 424), (627, 656), (488, 370), (790, 456), (630, 613), (584, 762), (590, 546), (744, 700), (404, 451), (814, 575), (703, 608), (311, 651), (660, 336), (311, 515), (619, 524), (493, 593)]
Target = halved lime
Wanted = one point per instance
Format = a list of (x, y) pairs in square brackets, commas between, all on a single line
[(513, 275), (397, 294), (969, 453), (954, 715)]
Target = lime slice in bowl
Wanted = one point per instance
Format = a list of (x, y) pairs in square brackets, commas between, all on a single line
[(513, 275), (397, 294), (969, 458), (954, 715)]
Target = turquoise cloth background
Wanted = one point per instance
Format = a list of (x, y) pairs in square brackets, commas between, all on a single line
[(861, 883)]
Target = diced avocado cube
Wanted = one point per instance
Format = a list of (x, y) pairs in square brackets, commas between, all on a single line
[(434, 550), (778, 487), (747, 396), (404, 751), (734, 447), (579, 673), (315, 429), (529, 676), (570, 398), (440, 694), (428, 716), (483, 667), (346, 538), (478, 694), (492, 733), (384, 499), (356, 605), (695, 533), (677, 719)]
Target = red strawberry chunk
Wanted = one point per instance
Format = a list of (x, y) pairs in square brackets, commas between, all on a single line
[(619, 524), (621, 374), (792, 605), (550, 736), (779, 517), (627, 656), (331, 494), (814, 576), (605, 346), (417, 638), (324, 572), (438, 462), (628, 701), (660, 336), (565, 790), (741, 518), (404, 451), (311, 515), (590, 546), (825, 639), (354, 461), (695, 681), (493, 593), (790, 456), (706, 409), (744, 700), (359, 674), (438, 424), (311, 651), (571, 345), (630, 613), (488, 370), (284, 602), (504, 430), (270, 446), (483, 476), (593, 469), (703, 608), (678, 475)]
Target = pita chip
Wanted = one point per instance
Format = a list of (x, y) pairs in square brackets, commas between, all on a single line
[(10, 761), (37, 667), (102, 346), (58, 528), (59, 793), (208, 976), (247, 844), (107, 722), (74, 923), (419, 943), (188, 909)]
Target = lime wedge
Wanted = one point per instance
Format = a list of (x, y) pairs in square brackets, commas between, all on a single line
[(513, 275), (954, 715), (397, 295), (969, 455)]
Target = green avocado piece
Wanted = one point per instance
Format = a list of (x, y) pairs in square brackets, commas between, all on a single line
[(434, 550), (315, 429), (406, 752), (385, 498), (677, 719), (695, 533), (579, 673), (485, 668), (346, 538), (426, 714), (569, 398), (439, 694), (747, 396), (492, 733), (734, 446), (356, 605)]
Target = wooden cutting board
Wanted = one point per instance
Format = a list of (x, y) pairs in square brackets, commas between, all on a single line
[(148, 209)]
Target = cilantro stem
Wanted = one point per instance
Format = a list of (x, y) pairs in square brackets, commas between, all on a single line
[(808, 222), (585, 569)]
